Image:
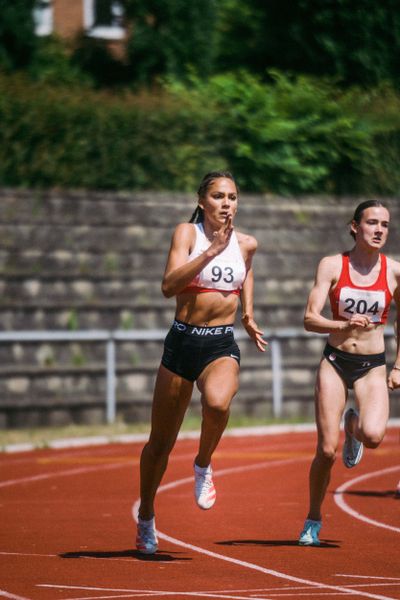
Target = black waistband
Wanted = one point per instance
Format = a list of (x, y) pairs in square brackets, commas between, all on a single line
[(351, 356), (200, 330)]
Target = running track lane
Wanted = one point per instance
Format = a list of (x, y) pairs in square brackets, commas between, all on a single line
[(67, 530)]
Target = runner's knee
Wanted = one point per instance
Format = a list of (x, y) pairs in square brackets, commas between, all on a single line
[(159, 448), (218, 406), (371, 437), (326, 453)]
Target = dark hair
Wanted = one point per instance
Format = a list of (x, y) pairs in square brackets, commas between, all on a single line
[(206, 182), (360, 209)]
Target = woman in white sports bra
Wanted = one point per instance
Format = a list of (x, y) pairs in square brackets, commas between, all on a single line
[(360, 285), (208, 271)]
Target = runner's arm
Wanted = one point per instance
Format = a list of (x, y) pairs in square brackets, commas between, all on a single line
[(394, 375), (327, 273), (247, 296)]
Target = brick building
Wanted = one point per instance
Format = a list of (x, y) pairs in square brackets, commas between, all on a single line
[(101, 19)]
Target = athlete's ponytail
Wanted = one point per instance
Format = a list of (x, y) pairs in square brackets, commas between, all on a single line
[(197, 216)]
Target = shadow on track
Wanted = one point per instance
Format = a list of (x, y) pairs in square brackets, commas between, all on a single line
[(159, 557), (371, 493), (275, 543)]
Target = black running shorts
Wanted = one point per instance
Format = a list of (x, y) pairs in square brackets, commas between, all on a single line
[(352, 366), (190, 348)]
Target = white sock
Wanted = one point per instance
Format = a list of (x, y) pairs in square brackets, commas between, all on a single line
[(202, 470)]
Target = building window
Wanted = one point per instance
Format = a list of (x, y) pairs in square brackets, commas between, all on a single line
[(43, 17), (104, 19)]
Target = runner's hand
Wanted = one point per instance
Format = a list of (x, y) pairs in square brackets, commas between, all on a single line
[(358, 321), (254, 332), (222, 236), (394, 379)]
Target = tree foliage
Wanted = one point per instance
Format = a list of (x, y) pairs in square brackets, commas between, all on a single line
[(17, 35), (355, 41), (289, 136), (352, 41), (94, 59), (171, 38), (220, 100)]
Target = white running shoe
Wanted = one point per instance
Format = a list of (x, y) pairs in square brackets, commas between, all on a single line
[(204, 489), (352, 448), (146, 538)]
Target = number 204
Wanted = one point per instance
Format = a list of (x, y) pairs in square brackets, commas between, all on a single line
[(360, 307)]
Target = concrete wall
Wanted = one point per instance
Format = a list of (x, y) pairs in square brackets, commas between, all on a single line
[(83, 260)]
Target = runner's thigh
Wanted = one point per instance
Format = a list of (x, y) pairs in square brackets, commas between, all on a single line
[(330, 400), (372, 398), (219, 382), (172, 395)]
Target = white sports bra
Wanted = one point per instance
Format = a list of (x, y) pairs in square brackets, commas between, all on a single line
[(226, 272)]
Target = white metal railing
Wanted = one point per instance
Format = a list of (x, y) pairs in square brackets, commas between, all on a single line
[(111, 337)]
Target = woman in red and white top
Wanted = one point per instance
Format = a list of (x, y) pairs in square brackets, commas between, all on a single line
[(208, 271), (360, 285)]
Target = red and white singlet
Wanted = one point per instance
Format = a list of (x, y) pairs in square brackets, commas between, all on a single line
[(348, 299), (225, 273)]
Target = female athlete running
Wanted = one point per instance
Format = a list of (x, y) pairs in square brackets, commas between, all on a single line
[(360, 285), (208, 270)]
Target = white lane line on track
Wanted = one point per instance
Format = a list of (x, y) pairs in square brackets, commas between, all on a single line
[(367, 577), (229, 596), (4, 594), (246, 564), (341, 502), (374, 584), (27, 554), (44, 476), (309, 594), (76, 471)]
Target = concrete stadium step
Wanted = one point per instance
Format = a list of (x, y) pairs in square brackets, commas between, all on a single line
[(83, 238), (28, 264), (124, 315), (41, 291), (149, 208)]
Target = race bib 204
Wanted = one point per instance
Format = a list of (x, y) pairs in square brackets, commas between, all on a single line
[(362, 302)]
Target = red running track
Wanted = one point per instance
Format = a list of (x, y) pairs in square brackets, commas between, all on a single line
[(67, 530)]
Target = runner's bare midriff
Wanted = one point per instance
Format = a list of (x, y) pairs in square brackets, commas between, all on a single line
[(369, 340), (213, 308)]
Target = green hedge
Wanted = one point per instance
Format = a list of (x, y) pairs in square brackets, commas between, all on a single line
[(302, 134), (290, 136), (73, 137)]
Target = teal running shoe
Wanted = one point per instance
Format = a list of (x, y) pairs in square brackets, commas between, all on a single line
[(146, 538), (352, 448), (309, 535)]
